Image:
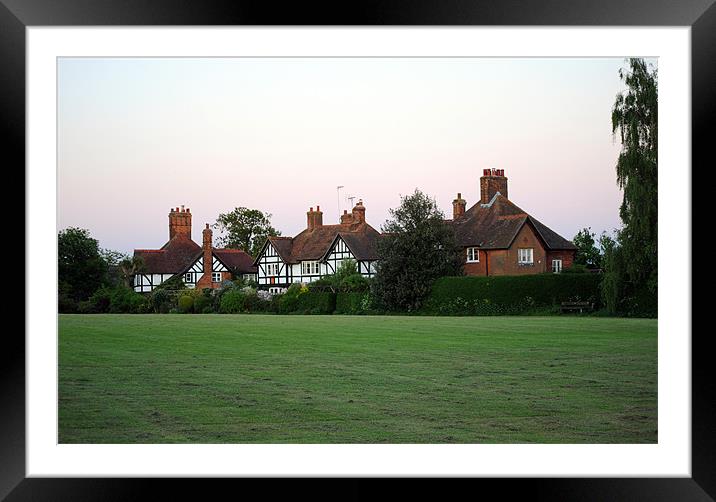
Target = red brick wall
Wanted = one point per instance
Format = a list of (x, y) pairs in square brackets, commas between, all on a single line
[(474, 268), (567, 257)]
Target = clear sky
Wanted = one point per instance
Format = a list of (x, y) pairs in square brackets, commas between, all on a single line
[(139, 136)]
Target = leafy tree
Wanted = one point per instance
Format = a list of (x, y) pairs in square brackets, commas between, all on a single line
[(81, 268), (635, 119), (417, 249), (245, 229), (129, 267), (587, 251)]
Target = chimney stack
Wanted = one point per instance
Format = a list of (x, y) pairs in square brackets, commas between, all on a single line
[(491, 182), (359, 212), (179, 222), (314, 219), (346, 217), (458, 206), (206, 247)]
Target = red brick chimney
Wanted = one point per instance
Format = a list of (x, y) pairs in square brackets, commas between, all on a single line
[(458, 206), (346, 217), (179, 222), (359, 212), (491, 182), (314, 218), (206, 247)]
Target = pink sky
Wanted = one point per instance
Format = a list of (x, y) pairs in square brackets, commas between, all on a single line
[(138, 136)]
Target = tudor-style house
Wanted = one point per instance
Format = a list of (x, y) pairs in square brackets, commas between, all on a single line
[(318, 250), (499, 238), (199, 266)]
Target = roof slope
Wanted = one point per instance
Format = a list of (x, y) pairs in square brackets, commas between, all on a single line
[(496, 224), (236, 260), (313, 244), (173, 257)]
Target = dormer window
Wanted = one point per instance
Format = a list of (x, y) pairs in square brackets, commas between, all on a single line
[(473, 255), (272, 269)]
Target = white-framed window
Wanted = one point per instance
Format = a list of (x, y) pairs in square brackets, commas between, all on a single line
[(473, 255), (189, 277), (216, 277), (557, 265), (310, 268), (525, 256), (272, 269), (275, 291)]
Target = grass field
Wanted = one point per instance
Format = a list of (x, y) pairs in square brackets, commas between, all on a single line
[(344, 379)]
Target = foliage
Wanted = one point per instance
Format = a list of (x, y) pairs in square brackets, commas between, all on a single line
[(203, 304), (345, 279), (243, 300), (174, 283), (356, 302), (288, 302), (635, 119), (510, 294), (129, 267), (245, 229), (116, 300), (416, 249), (81, 268), (186, 304), (315, 302), (160, 302), (587, 251), (112, 260)]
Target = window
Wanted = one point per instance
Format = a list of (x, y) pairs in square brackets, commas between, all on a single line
[(276, 291), (310, 268), (557, 266), (189, 277), (216, 277), (473, 255), (272, 269), (524, 256)]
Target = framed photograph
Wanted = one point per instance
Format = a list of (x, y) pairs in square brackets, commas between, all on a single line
[(501, 135)]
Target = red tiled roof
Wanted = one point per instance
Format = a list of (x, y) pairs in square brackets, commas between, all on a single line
[(495, 226), (173, 257), (313, 244), (236, 260)]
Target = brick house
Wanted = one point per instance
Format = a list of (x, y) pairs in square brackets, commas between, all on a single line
[(199, 266), (499, 238), (318, 250)]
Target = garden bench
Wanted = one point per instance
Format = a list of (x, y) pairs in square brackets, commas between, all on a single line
[(577, 306)]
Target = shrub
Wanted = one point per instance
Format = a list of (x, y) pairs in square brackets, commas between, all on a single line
[(316, 302), (159, 301), (186, 304), (354, 303), (510, 294), (231, 302), (201, 303)]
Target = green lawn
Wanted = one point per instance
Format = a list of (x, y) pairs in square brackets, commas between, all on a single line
[(345, 379)]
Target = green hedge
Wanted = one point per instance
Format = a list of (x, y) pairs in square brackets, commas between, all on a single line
[(354, 303), (510, 294), (315, 302)]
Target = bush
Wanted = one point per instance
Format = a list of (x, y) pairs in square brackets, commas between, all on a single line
[(316, 303), (186, 304), (116, 300), (201, 303), (510, 294), (354, 303), (160, 302)]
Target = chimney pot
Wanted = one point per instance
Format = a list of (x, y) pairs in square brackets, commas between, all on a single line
[(492, 182), (318, 208)]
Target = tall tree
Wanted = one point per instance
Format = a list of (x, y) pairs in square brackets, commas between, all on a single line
[(81, 269), (417, 248), (245, 229), (587, 251), (635, 119)]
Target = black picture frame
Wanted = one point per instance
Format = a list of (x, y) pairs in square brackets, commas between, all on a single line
[(16, 15)]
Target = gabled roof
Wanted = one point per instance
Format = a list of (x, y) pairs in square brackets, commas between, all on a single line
[(236, 260), (496, 224), (173, 257), (363, 245), (313, 244)]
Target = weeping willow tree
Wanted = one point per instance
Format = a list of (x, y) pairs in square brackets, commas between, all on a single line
[(635, 121)]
